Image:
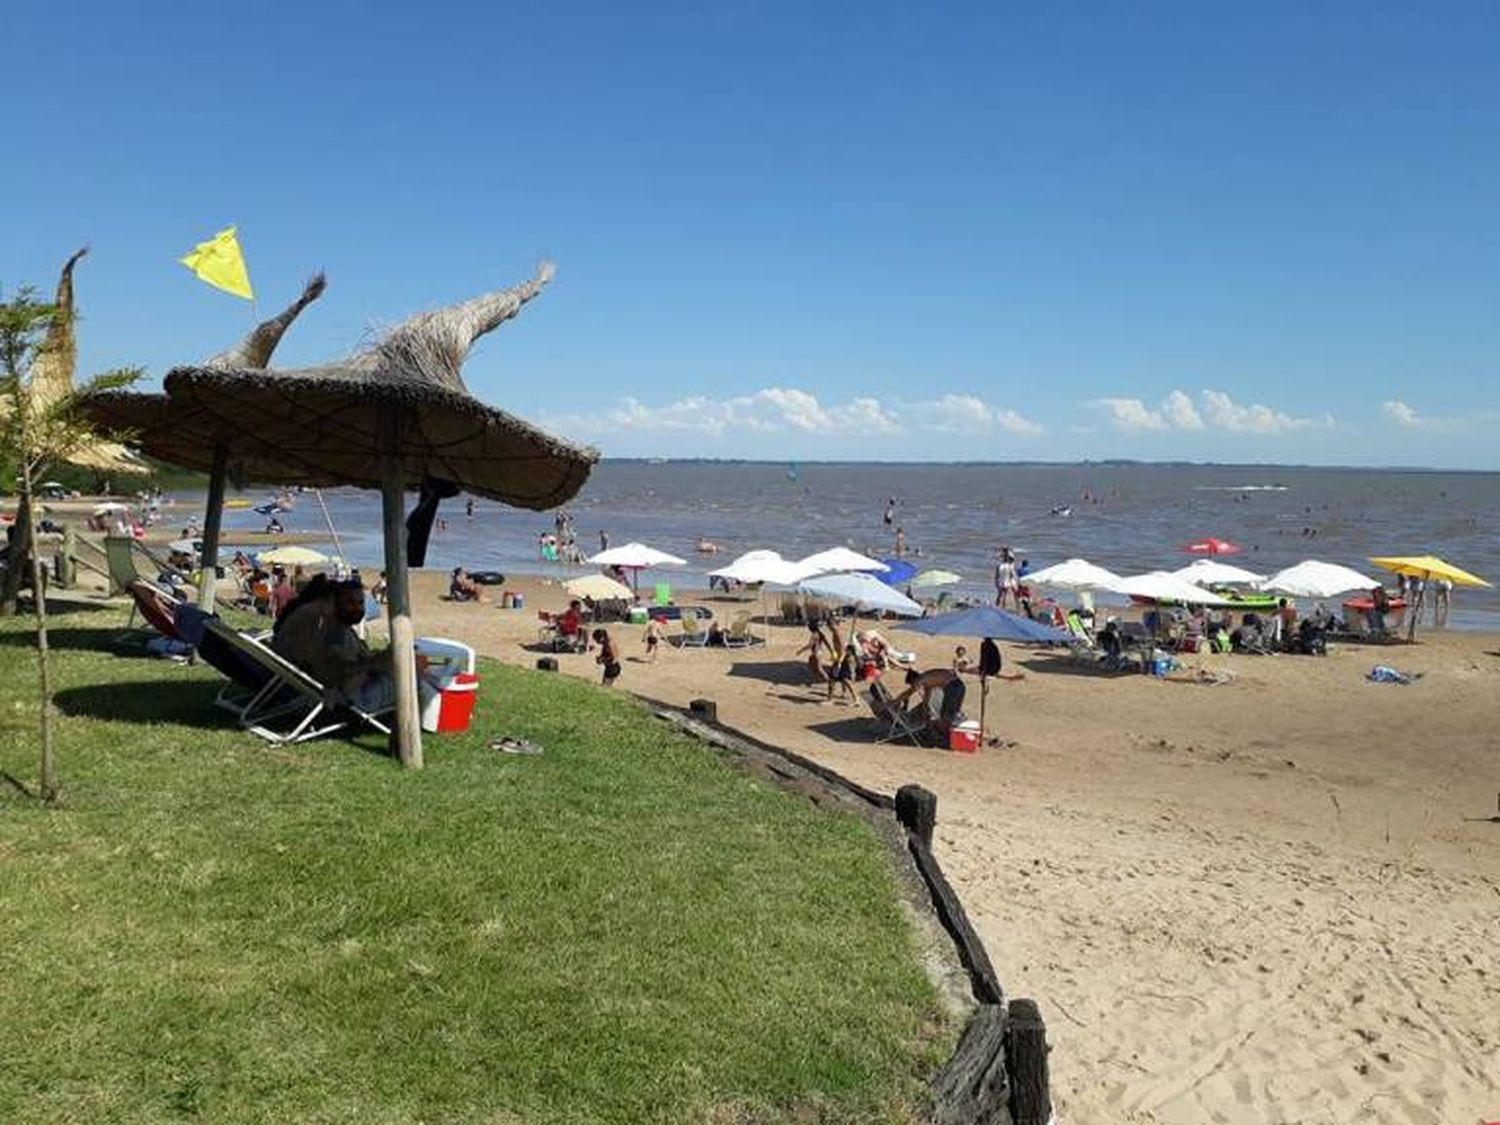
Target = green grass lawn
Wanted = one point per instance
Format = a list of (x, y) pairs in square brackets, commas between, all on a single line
[(622, 929)]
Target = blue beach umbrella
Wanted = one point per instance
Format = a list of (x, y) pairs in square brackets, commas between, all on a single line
[(987, 621), (898, 572)]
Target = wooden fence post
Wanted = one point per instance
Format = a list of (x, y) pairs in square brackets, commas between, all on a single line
[(916, 809), (1026, 1060)]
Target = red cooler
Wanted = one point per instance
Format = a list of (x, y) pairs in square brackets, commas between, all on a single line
[(449, 711), (964, 738)]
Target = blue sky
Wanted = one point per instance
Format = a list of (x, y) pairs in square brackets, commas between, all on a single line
[(1159, 230)]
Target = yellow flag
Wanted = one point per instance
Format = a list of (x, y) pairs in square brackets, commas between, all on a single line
[(220, 263)]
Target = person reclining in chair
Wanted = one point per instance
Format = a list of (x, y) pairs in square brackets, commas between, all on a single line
[(316, 633)]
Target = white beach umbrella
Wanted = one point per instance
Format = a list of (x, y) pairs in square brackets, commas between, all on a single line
[(1074, 574), (1212, 572), (862, 592), (837, 559), (109, 506), (635, 556), (763, 566), (1163, 586), (929, 578), (1313, 579)]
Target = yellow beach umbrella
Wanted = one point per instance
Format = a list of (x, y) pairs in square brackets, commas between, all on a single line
[(1429, 567), (293, 556), (1426, 567), (599, 587)]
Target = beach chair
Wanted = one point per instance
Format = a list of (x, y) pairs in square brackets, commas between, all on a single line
[(738, 635), (156, 608), (299, 706), (694, 634), (119, 556), (895, 723)]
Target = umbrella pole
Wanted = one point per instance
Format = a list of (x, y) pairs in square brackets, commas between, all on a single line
[(407, 732), (213, 519), (984, 698)]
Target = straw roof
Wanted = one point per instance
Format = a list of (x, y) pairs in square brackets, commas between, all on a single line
[(328, 425), (54, 369), (184, 436)]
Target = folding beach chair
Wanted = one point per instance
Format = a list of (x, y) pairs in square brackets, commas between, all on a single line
[(301, 708), (694, 635), (895, 723), (156, 608), (738, 635)]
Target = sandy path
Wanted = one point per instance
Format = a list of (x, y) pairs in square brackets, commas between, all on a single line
[(1258, 902)]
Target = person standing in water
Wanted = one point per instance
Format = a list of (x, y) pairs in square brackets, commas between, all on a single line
[(890, 511), (900, 542), (469, 507), (603, 540)]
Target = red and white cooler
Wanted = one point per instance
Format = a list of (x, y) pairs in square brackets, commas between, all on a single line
[(449, 688)]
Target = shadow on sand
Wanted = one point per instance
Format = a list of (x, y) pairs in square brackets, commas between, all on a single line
[(788, 673)]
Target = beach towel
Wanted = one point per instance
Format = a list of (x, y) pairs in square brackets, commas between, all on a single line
[(1385, 674)]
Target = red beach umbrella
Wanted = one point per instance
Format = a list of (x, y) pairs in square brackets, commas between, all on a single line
[(1213, 546)]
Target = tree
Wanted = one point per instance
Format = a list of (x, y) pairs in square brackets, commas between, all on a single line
[(36, 430)]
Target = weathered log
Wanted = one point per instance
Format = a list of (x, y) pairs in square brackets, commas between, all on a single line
[(916, 809), (1026, 1060), (974, 1088), (704, 709), (546, 664), (950, 912)]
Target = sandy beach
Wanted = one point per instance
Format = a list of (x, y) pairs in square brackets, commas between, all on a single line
[(1266, 900)]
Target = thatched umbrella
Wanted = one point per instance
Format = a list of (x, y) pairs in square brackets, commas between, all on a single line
[(393, 417), (182, 435), (53, 372)]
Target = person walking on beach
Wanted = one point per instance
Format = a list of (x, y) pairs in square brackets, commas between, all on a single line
[(844, 670), (816, 642), (607, 657), (653, 639)]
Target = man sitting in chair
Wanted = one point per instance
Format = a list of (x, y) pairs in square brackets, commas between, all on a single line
[(316, 633)]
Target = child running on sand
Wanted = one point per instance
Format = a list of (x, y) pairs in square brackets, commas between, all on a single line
[(653, 639), (607, 657)]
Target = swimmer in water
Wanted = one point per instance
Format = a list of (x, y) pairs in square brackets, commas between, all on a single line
[(707, 546)]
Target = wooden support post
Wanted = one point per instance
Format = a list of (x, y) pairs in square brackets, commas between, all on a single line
[(705, 709), (916, 809), (406, 732), (67, 575), (213, 519), (1026, 1060)]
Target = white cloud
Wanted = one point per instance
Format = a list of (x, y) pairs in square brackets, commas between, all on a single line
[(789, 410), (770, 410), (1226, 414), (1213, 410), (957, 414), (1130, 414), (1399, 413), (1180, 412)]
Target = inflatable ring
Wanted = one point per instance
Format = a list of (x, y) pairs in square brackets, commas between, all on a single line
[(487, 577)]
